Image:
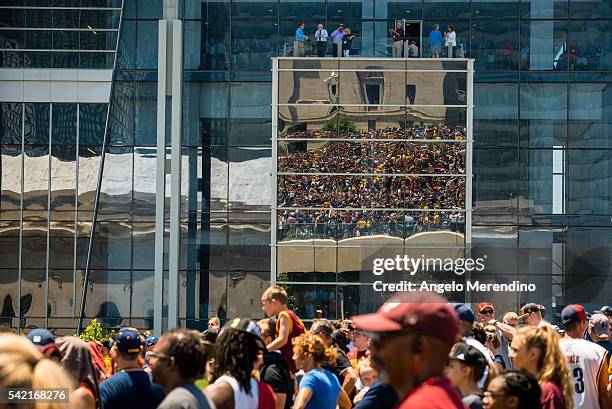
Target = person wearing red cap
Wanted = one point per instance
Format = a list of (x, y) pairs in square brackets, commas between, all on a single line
[(587, 361), (412, 335), (486, 315)]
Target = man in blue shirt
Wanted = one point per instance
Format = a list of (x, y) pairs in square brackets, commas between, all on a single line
[(336, 36), (299, 39), (130, 387), (435, 41)]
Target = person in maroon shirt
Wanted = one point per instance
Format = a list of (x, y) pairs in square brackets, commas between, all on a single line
[(411, 336)]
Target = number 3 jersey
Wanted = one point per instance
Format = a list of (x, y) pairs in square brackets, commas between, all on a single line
[(586, 360)]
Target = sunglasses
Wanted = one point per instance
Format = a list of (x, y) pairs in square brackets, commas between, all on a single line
[(487, 311)]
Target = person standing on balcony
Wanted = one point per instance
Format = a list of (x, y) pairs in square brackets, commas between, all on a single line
[(435, 41), (398, 39), (450, 40), (299, 39), (321, 39), (337, 36), (347, 41)]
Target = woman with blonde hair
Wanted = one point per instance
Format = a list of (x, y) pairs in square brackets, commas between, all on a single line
[(536, 350), (22, 365), (318, 388)]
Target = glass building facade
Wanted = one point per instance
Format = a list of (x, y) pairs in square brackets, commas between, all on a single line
[(542, 153)]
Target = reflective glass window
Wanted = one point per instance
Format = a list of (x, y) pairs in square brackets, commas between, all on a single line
[(65, 60), (146, 44), (126, 57), (589, 182), (495, 44), (588, 48), (150, 9), (10, 182), (446, 9), (13, 18), (145, 119), (545, 9), (495, 182), (543, 114), (10, 123), (591, 9), (103, 40), (397, 9), (38, 39), (66, 40), (121, 116), (590, 115), (254, 9), (63, 178), (353, 9), (92, 120), (289, 9), (494, 8), (64, 18), (33, 286), (495, 114), (38, 18), (116, 189), (96, 60), (34, 59), (215, 35), (101, 18), (64, 126), (253, 44), (112, 246), (109, 297), (543, 45), (588, 251)]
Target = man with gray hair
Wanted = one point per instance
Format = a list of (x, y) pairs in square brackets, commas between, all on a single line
[(321, 39)]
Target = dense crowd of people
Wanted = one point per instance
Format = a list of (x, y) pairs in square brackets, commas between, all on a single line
[(375, 157), (392, 192), (435, 132), (416, 351), (338, 225)]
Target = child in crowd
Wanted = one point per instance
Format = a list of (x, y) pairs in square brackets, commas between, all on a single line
[(466, 365)]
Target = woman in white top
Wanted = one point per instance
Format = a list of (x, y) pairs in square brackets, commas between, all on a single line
[(450, 40), (238, 347)]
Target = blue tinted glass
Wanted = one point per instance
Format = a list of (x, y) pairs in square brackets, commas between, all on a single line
[(194, 50), (37, 18), (38, 40), (589, 181), (103, 40), (349, 10), (127, 45), (537, 185), (495, 8), (591, 9), (36, 124), (543, 114), (394, 9), (66, 40), (543, 45), (150, 9), (254, 43), (10, 123), (590, 124), (313, 9), (495, 114), (146, 44), (446, 9), (12, 18), (65, 18), (64, 124), (495, 182), (538, 9), (92, 120), (100, 60), (145, 114), (588, 49), (97, 19), (254, 9), (11, 59), (120, 125), (12, 39), (495, 44)]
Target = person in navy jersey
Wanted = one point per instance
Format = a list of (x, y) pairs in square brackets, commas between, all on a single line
[(130, 387)]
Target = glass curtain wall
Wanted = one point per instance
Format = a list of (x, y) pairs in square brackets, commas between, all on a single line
[(371, 162)]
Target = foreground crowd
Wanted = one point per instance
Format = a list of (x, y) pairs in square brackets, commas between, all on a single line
[(416, 351)]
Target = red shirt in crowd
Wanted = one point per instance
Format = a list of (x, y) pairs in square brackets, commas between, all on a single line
[(434, 393), (355, 356), (551, 397)]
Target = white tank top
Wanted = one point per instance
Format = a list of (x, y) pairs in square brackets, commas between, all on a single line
[(242, 400), (585, 360)]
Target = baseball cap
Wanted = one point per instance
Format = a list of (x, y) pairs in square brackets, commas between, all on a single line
[(600, 325), (468, 354), (605, 310), (484, 305), (246, 326), (322, 329), (464, 312), (127, 340), (424, 312), (529, 307), (151, 340), (573, 313), (41, 337)]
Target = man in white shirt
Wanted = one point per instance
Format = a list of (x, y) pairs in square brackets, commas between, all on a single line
[(321, 39), (587, 361)]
